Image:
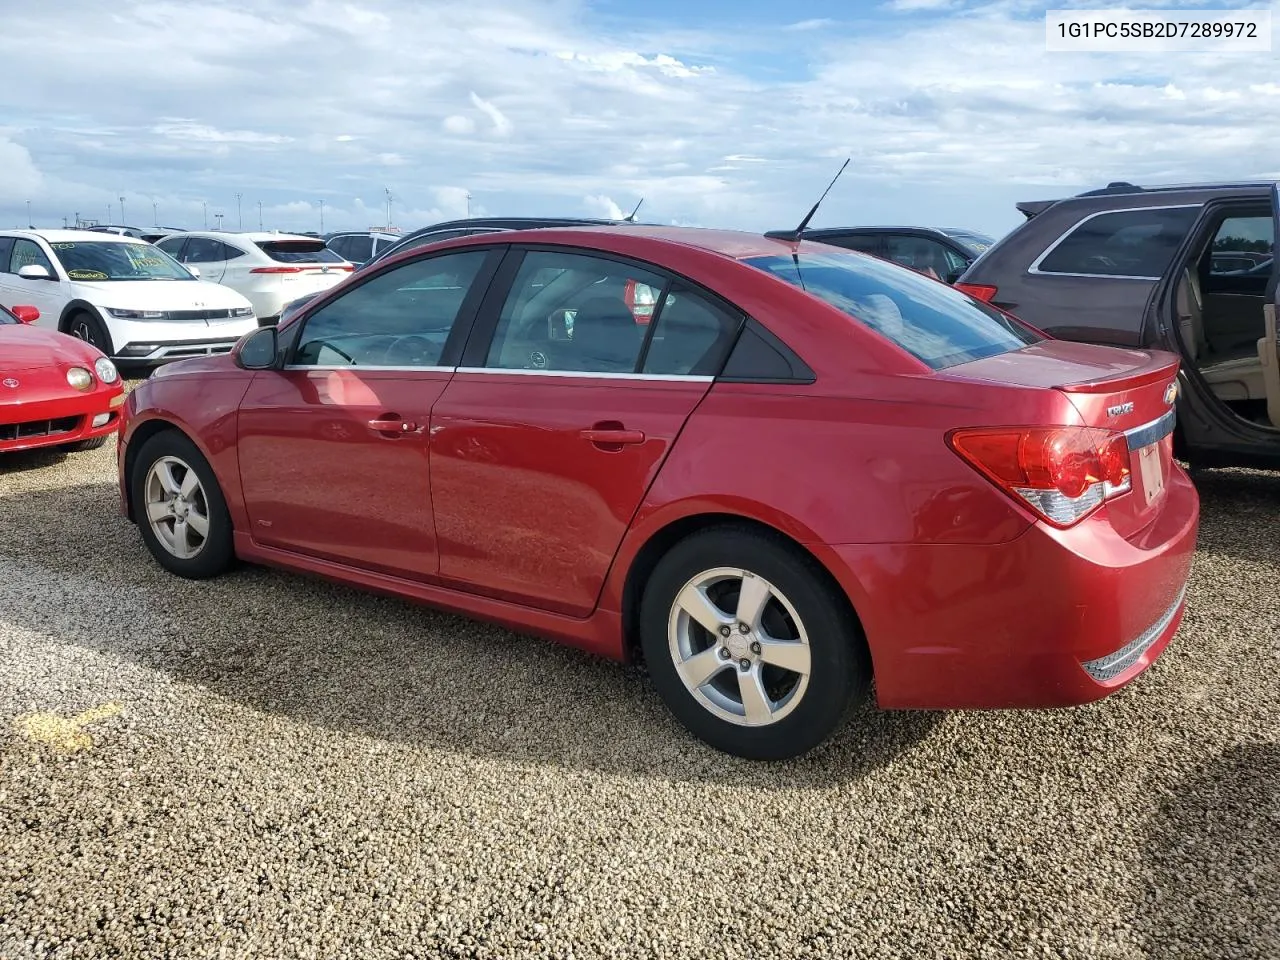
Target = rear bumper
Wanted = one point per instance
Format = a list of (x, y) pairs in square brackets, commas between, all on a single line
[(51, 423), (1053, 618)]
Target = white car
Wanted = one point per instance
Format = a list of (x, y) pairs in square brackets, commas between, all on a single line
[(270, 269), (121, 294)]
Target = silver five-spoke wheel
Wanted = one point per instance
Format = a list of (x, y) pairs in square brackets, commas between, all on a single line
[(739, 646), (177, 507)]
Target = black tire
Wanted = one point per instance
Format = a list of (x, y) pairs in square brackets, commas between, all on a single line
[(839, 669), (85, 326), (93, 443), (217, 553)]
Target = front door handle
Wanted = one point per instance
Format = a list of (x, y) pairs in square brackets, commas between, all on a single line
[(611, 436), (393, 425)]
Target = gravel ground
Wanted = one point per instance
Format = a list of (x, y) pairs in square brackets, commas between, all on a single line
[(271, 766)]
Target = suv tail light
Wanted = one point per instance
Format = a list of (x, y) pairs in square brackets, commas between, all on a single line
[(1062, 473), (277, 270), (979, 291)]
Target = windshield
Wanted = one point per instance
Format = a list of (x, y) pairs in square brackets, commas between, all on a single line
[(974, 242), (104, 260), (932, 321)]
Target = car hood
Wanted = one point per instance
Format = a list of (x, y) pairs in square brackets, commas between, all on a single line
[(24, 347), (161, 295)]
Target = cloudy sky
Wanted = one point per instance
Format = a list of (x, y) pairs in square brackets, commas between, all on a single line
[(716, 113)]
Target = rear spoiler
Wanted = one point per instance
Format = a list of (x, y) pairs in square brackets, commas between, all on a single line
[(1029, 208)]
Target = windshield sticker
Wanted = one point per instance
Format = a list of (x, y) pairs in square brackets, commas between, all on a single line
[(63, 246), (87, 275)]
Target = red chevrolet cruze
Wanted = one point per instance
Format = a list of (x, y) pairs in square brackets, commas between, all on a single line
[(805, 469)]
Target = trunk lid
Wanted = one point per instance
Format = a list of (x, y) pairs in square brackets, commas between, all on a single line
[(1129, 391)]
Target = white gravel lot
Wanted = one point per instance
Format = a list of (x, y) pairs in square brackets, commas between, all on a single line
[(271, 766)]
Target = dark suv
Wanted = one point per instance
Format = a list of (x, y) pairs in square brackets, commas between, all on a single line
[(1189, 269), (943, 253)]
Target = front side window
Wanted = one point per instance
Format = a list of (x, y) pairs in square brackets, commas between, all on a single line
[(28, 253), (1242, 245), (401, 318), (570, 312), (933, 322), (98, 261), (1127, 243)]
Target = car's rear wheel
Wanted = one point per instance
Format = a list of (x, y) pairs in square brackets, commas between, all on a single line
[(750, 645), (86, 327), (180, 508)]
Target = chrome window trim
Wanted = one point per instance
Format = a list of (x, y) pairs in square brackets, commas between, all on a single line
[(589, 374), (369, 366), (1035, 270)]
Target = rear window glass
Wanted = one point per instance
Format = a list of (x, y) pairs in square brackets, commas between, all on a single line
[(1127, 243), (298, 251), (932, 321)]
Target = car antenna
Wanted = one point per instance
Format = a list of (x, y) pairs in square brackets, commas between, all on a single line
[(631, 218), (814, 209)]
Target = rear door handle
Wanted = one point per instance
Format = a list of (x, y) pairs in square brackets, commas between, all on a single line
[(393, 425), (606, 436)]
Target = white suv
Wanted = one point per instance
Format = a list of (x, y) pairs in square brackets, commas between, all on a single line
[(128, 299), (270, 269)]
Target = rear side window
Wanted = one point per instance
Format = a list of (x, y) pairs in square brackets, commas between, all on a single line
[(298, 251), (933, 322), (1127, 243), (691, 336)]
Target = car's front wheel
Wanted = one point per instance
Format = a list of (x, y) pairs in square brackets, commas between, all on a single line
[(750, 645), (180, 508), (88, 328)]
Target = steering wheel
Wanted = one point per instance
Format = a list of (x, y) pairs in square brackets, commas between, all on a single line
[(411, 350)]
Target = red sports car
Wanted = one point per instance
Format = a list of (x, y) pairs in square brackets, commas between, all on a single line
[(809, 469), (55, 390)]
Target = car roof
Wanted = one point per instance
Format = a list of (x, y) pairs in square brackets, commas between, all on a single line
[(254, 236), (731, 244), (70, 236), (1133, 191)]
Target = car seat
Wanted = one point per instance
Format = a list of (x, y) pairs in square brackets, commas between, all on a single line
[(1269, 359), (1230, 377), (606, 337)]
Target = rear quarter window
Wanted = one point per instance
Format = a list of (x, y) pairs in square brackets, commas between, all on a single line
[(935, 323), (1123, 243)]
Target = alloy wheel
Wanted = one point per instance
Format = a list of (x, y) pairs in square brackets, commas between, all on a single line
[(177, 507), (739, 646)]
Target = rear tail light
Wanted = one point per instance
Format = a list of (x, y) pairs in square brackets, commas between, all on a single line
[(277, 269), (979, 291), (1062, 473)]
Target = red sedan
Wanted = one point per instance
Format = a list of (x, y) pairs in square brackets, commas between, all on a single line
[(806, 469), (55, 390)]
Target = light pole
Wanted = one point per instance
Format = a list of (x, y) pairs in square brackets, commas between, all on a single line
[(204, 204), (218, 217), (239, 215), (30, 225), (387, 191), (468, 204), (322, 216), (64, 223), (122, 209), (155, 214), (259, 215), (108, 213)]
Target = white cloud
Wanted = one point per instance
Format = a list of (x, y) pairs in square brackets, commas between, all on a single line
[(814, 24), (604, 207), (459, 125), (501, 125)]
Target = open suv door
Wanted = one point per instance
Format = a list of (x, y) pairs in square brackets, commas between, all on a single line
[(1269, 345)]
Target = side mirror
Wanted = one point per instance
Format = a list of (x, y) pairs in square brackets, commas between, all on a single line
[(35, 271), (257, 350), (26, 314), (192, 269)]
